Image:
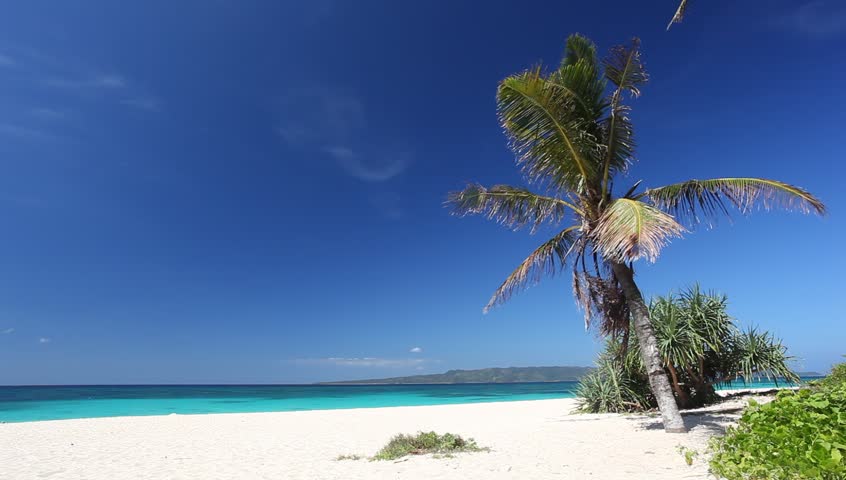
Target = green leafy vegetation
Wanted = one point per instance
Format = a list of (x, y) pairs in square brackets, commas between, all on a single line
[(425, 443), (341, 458), (836, 378), (700, 347), (485, 375), (688, 454), (616, 385), (800, 435)]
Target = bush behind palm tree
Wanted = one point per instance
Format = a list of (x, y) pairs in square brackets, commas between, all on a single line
[(701, 347)]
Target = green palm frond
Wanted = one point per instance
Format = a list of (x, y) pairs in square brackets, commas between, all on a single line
[(547, 259), (579, 48), (679, 16), (625, 70), (554, 145), (510, 206), (620, 143), (579, 77), (630, 229), (693, 199)]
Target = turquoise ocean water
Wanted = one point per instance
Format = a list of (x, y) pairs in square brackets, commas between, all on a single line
[(25, 404)]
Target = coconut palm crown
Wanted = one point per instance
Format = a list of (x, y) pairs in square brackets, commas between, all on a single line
[(572, 136)]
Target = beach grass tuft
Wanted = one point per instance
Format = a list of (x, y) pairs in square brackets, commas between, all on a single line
[(353, 456), (422, 443)]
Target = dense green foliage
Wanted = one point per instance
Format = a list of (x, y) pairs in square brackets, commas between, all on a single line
[(800, 435), (426, 442), (837, 377), (612, 387), (487, 375), (701, 347)]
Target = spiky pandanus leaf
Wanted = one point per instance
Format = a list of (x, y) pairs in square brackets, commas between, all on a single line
[(629, 230), (698, 200), (678, 340), (510, 206), (548, 259), (554, 146), (758, 354), (707, 313)]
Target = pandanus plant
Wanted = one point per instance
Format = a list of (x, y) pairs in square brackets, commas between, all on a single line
[(572, 136)]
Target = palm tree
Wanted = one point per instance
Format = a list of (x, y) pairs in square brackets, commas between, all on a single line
[(572, 136)]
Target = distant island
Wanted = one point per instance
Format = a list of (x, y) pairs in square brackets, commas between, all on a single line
[(484, 375)]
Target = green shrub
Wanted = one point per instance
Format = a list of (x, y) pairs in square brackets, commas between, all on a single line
[(426, 442), (836, 378), (702, 348), (610, 388), (800, 435), (341, 458)]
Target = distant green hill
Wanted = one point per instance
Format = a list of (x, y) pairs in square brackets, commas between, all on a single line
[(484, 375)]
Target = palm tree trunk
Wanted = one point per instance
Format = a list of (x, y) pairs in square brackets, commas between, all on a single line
[(658, 381)]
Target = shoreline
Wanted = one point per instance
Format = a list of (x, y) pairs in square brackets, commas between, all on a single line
[(527, 438), (721, 392)]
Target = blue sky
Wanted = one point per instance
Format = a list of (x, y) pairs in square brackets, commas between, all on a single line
[(252, 191)]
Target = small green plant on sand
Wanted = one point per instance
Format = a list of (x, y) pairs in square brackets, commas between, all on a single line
[(340, 458), (688, 454), (425, 443)]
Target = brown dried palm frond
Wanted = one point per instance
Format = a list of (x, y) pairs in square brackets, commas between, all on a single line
[(679, 16), (601, 299)]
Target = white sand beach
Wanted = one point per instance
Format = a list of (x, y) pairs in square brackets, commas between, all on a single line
[(528, 440)]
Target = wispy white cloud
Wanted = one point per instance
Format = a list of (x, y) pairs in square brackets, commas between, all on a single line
[(818, 18), (365, 362), (23, 132), (44, 340), (416, 350), (47, 113), (388, 204), (369, 169), (293, 134), (150, 104), (103, 81), (315, 115), (335, 123), (7, 331)]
